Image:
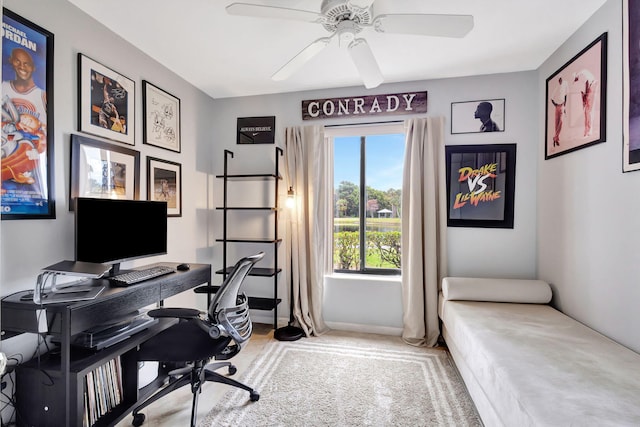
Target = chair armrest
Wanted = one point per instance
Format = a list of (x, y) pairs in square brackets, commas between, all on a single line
[(175, 312), (207, 289)]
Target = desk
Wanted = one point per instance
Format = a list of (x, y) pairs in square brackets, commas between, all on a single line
[(65, 399)]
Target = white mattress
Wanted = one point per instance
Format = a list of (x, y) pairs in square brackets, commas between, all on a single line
[(535, 366)]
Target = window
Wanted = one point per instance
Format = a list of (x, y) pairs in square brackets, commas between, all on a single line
[(369, 158)]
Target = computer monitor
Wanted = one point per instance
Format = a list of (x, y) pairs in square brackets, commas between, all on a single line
[(111, 231)]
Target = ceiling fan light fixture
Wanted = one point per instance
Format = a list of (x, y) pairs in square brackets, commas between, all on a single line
[(346, 32), (366, 64)]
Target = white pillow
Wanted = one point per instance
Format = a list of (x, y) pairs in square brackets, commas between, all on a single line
[(496, 290)]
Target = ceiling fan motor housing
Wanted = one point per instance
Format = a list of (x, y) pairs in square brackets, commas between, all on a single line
[(337, 11)]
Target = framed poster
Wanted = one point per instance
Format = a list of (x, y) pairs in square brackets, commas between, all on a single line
[(161, 112), (106, 102), (256, 130), (102, 170), (477, 116), (164, 183), (631, 98), (480, 185), (27, 120), (576, 100)]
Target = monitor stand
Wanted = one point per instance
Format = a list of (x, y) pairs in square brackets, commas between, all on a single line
[(114, 270), (78, 268), (47, 291)]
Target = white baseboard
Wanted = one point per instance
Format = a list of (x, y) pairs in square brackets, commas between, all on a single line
[(367, 329), (267, 318)]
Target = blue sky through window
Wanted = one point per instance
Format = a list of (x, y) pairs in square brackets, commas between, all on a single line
[(385, 156)]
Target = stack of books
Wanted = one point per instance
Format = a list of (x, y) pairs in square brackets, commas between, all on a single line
[(102, 391)]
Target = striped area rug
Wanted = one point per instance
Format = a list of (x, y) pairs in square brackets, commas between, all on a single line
[(347, 379)]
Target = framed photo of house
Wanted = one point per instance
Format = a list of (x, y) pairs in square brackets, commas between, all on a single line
[(576, 100), (256, 130), (631, 95), (161, 112), (103, 170), (106, 102), (477, 116), (27, 120), (480, 185), (164, 183)]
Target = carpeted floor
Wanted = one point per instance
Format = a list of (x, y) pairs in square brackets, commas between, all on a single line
[(346, 379)]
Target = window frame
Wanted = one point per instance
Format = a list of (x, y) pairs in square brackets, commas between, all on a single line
[(362, 131)]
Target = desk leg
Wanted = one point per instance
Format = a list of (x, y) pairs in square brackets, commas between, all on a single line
[(65, 366)]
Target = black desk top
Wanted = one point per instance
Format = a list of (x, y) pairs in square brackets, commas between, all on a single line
[(19, 315)]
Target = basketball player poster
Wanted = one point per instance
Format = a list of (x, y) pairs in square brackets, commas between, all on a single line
[(27, 120), (107, 101)]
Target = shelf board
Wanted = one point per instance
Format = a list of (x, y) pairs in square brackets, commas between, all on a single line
[(253, 176), (256, 271), (255, 303), (250, 240)]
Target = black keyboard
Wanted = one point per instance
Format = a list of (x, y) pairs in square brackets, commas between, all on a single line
[(135, 276)]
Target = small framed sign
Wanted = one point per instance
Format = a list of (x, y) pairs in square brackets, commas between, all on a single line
[(256, 130)]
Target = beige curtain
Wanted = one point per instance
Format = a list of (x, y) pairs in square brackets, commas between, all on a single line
[(424, 227), (308, 171)]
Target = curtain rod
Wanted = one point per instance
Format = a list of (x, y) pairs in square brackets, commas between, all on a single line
[(364, 124)]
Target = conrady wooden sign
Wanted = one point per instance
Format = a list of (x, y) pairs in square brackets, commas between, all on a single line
[(359, 106)]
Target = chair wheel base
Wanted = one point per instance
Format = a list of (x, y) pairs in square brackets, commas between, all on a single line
[(254, 396), (138, 420)]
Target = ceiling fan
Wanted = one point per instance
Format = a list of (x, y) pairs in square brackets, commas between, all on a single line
[(345, 19)]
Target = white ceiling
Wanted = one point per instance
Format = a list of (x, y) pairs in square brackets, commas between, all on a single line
[(229, 56)]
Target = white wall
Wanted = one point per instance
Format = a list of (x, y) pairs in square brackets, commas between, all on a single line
[(472, 251), (588, 209), (209, 126), (29, 245)]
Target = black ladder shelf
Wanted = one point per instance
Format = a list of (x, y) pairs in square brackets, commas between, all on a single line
[(256, 303)]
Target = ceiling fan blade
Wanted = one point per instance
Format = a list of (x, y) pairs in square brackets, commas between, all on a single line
[(260, 11), (424, 24), (365, 62), (288, 69)]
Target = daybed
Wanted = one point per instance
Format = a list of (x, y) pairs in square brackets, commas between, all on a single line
[(527, 364)]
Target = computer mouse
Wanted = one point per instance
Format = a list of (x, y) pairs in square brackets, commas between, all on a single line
[(183, 267)]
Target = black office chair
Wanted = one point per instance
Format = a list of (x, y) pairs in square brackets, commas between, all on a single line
[(199, 337)]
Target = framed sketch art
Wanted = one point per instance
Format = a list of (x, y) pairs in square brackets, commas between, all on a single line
[(480, 185), (27, 120), (102, 170), (161, 112), (106, 103), (631, 98), (576, 100), (477, 116), (164, 183)]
